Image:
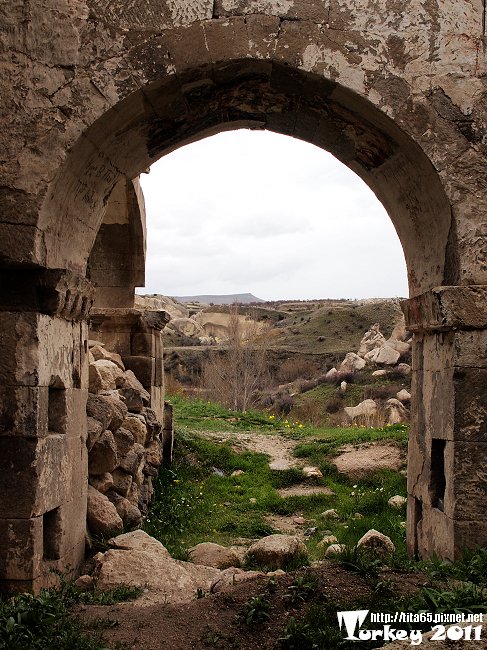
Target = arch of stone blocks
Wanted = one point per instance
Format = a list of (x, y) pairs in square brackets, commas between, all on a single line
[(96, 92)]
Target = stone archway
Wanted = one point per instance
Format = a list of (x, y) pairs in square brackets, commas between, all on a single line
[(110, 90)]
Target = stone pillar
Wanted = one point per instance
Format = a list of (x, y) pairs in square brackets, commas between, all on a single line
[(447, 459), (43, 456), (136, 336), (167, 435)]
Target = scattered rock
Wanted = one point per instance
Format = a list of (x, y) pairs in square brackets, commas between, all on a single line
[(396, 412), (330, 514), (378, 543), (309, 532), (312, 472), (276, 551), (358, 515), (237, 472), (403, 395), (372, 340), (386, 356), (366, 408), (300, 521), (276, 573), (331, 375), (102, 516), (304, 491), (334, 550), (379, 373), (352, 362), (328, 540), (214, 555), (397, 501), (404, 369), (217, 472)]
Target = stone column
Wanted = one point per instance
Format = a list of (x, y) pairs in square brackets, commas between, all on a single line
[(447, 459), (136, 336), (43, 456)]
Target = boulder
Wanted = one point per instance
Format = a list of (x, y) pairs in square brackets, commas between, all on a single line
[(133, 461), (367, 408), (330, 514), (133, 518), (138, 560), (121, 503), (100, 353), (108, 410), (403, 395), (101, 482), (312, 472), (84, 583), (386, 356), (396, 412), (397, 501), (404, 369), (137, 428), (103, 456), (103, 375), (153, 425), (334, 550), (343, 386), (331, 375), (371, 340), (352, 363), (378, 543), (101, 514), (94, 430), (277, 551), (129, 380), (214, 555), (124, 441), (400, 346), (122, 483), (229, 577)]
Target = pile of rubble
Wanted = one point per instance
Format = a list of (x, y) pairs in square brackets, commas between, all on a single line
[(124, 445)]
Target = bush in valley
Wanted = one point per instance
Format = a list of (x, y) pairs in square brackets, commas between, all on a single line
[(296, 368), (334, 404)]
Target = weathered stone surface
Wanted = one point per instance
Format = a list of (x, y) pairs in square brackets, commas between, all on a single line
[(403, 395), (133, 461), (386, 356), (107, 410), (334, 549), (214, 555), (122, 482), (397, 501), (95, 429), (100, 352), (102, 482), (129, 380), (377, 543), (137, 428), (102, 516), (141, 562), (124, 441), (103, 375), (277, 551), (357, 463), (103, 455), (396, 412), (351, 363)]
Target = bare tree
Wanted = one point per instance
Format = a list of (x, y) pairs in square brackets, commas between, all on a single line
[(233, 374)]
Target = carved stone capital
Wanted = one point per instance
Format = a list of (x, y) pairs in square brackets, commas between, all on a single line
[(55, 292), (113, 319), (447, 308)]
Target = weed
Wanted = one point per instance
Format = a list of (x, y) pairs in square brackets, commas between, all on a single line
[(257, 610), (301, 589)]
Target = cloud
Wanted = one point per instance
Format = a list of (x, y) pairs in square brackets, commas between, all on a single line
[(260, 212)]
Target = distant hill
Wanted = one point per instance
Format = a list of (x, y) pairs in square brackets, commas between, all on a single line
[(242, 298)]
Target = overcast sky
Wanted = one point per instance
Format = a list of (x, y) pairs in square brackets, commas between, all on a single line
[(253, 211)]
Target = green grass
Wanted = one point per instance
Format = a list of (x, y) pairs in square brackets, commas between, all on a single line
[(44, 622), (194, 504)]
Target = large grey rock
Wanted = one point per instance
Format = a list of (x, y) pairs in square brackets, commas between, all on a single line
[(367, 408), (101, 514), (352, 363), (214, 555), (386, 356), (277, 551), (140, 561)]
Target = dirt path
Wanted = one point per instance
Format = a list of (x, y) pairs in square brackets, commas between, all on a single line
[(278, 448)]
